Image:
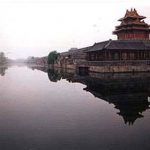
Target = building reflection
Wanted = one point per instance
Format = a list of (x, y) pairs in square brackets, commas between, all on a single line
[(128, 92)]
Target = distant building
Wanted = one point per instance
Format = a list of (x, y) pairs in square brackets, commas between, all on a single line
[(40, 61)]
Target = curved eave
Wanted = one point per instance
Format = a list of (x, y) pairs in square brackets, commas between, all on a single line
[(138, 24), (133, 17), (129, 29)]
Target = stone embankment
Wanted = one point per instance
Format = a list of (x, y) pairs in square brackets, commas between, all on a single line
[(107, 66)]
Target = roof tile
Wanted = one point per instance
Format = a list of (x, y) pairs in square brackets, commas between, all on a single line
[(120, 45)]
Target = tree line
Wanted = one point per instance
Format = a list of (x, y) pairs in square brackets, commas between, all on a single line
[(3, 59), (52, 57)]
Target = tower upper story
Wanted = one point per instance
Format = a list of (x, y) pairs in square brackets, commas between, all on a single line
[(132, 27)]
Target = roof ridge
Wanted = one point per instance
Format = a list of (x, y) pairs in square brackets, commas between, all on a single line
[(105, 46)]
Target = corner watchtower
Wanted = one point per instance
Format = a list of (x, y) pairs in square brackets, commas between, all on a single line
[(132, 27)]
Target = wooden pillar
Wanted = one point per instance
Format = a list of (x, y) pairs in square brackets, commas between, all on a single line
[(110, 55), (105, 55), (89, 56), (94, 56), (120, 55)]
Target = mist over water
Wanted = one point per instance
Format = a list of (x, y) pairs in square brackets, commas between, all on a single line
[(44, 109)]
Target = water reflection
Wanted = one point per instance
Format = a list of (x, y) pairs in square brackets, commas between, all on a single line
[(128, 92), (2, 70)]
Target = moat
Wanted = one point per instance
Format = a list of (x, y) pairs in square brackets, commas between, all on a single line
[(43, 109)]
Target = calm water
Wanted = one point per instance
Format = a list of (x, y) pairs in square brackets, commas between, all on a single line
[(60, 110)]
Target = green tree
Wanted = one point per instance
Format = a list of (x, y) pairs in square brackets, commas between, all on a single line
[(52, 57), (2, 58)]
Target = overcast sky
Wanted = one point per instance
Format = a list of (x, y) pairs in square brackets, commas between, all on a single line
[(36, 27)]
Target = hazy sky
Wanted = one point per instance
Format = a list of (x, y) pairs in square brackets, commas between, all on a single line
[(36, 27)]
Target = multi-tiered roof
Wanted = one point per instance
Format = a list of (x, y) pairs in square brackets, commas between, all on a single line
[(132, 26)]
